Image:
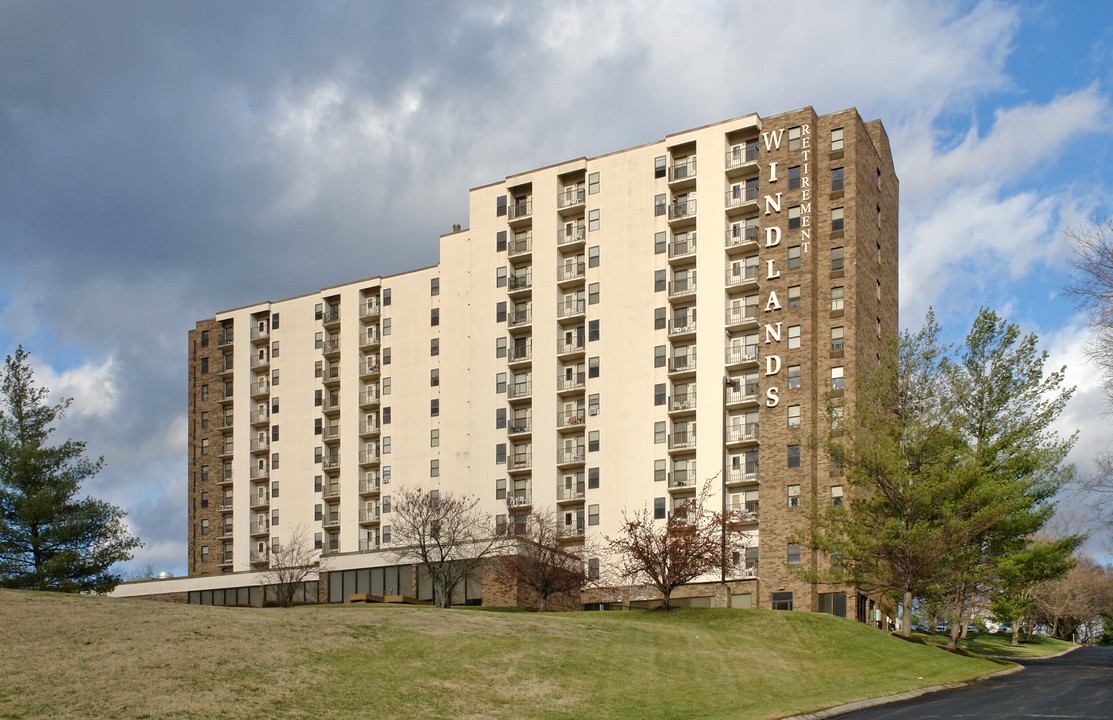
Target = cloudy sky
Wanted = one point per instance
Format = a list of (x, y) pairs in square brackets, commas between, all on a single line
[(160, 162)]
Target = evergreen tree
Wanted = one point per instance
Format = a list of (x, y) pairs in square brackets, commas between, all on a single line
[(49, 538)]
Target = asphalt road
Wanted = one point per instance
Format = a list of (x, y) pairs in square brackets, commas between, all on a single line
[(1078, 686)]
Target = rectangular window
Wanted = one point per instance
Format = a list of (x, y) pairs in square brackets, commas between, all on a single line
[(794, 416), (500, 206), (434, 377), (660, 243), (500, 489), (659, 394), (836, 259), (660, 280), (593, 256), (836, 179), (434, 286), (434, 468), (435, 317), (659, 204), (659, 508), (500, 316), (659, 318), (836, 140), (660, 473), (434, 347), (204, 338), (794, 177), (500, 454), (500, 382), (836, 495), (782, 601), (836, 219), (593, 367), (204, 365), (794, 257), (386, 296), (500, 241), (659, 357), (204, 392), (386, 503), (274, 433), (592, 330), (593, 478), (795, 135), (593, 183), (837, 294), (593, 294), (592, 220), (592, 514), (593, 441), (660, 167), (500, 418), (386, 326), (794, 217), (793, 337), (500, 347), (500, 276), (659, 432), (836, 339), (386, 356), (793, 554), (434, 407), (793, 456), (836, 378), (794, 496), (793, 297)]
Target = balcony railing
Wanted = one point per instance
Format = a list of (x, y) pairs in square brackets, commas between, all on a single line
[(682, 440), (520, 461), (369, 515), (520, 352), (523, 281), (520, 209), (368, 428), (258, 363), (259, 445), (330, 316), (683, 248), (331, 520), (260, 558), (369, 486), (576, 344), (571, 236), (260, 333), (367, 457), (331, 464), (683, 170), (682, 479), (263, 387), (571, 418), (224, 340), (369, 310), (574, 382), (742, 315), (519, 390), (260, 528), (748, 276), (571, 197), (741, 155), (683, 363), (331, 374), (258, 417), (571, 271), (742, 475), (682, 209), (572, 532), (570, 308), (259, 473), (226, 558), (520, 245), (331, 433), (747, 394), (683, 288), (570, 493), (369, 368), (742, 433), (368, 544), (330, 404), (328, 550), (568, 456), (260, 501), (517, 318), (682, 326), (740, 196), (369, 397), (687, 401), (741, 355), (519, 499), (519, 426), (737, 237), (330, 490), (369, 338)]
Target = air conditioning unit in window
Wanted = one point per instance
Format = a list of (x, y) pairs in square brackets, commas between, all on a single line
[(593, 411)]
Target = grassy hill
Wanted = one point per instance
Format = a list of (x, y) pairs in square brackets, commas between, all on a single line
[(83, 657)]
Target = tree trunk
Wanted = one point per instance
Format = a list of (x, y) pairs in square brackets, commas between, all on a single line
[(667, 602), (956, 626), (1016, 634), (906, 615), (541, 604)]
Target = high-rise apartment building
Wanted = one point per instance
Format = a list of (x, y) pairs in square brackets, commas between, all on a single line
[(608, 334)]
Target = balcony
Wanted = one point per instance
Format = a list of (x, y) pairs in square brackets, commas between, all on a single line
[(739, 237), (682, 327), (520, 247), (331, 375), (683, 479), (519, 390), (330, 549), (520, 352), (742, 157), (569, 347), (330, 491), (369, 485), (368, 429), (743, 396), (683, 403), (331, 465), (745, 513), (572, 532), (225, 479), (260, 558), (260, 528), (747, 279), (683, 364), (259, 473), (571, 309), (570, 273), (227, 398), (260, 501), (331, 434), (519, 499), (519, 462), (741, 356), (742, 434), (228, 368), (571, 419), (225, 450), (331, 519), (741, 318), (259, 445), (331, 317), (519, 426), (259, 363), (369, 398), (571, 456), (368, 544), (260, 335), (369, 310), (225, 559), (683, 172), (260, 389), (226, 506), (369, 340), (683, 288), (571, 383), (331, 405), (571, 236), (570, 493), (369, 457), (682, 249), (682, 441), (260, 417), (741, 198), (519, 282), (742, 476), (224, 339), (369, 369), (519, 211), (225, 533), (520, 318), (682, 210), (571, 200), (369, 515)]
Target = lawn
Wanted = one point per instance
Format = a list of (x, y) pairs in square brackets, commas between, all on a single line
[(998, 644), (81, 657)]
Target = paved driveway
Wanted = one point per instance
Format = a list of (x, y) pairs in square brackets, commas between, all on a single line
[(1078, 685)]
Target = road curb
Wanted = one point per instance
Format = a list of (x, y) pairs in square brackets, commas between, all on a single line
[(1012, 658), (908, 695)]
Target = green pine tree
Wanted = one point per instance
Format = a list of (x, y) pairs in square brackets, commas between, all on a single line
[(50, 539)]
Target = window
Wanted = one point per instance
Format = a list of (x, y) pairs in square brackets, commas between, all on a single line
[(793, 297), (794, 257), (793, 456), (386, 296), (793, 337), (794, 217), (434, 377), (794, 177), (500, 206), (659, 508), (274, 489), (500, 454), (500, 489), (592, 514), (500, 241), (318, 455), (204, 473), (204, 527), (205, 446), (593, 367), (319, 340), (500, 382), (836, 219), (593, 478), (592, 330), (836, 140), (593, 256), (204, 392), (205, 553), (793, 554), (836, 259), (386, 445), (318, 512), (386, 386), (836, 496), (794, 416), (204, 364), (386, 534), (387, 355), (204, 420), (318, 400), (274, 465), (386, 503), (593, 404), (659, 432), (659, 471), (500, 418), (434, 348), (274, 433), (500, 347), (593, 441), (500, 276), (318, 311), (434, 286), (660, 243), (837, 298), (794, 496), (593, 294), (795, 135), (434, 407), (593, 183), (659, 317), (592, 220), (836, 378), (435, 316), (836, 339), (434, 468), (318, 369), (274, 377), (659, 394), (659, 356), (660, 280), (659, 167), (836, 179), (274, 406), (659, 204)]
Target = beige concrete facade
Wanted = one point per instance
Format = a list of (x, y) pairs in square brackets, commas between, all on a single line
[(608, 334)]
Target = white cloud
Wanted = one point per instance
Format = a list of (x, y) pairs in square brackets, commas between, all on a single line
[(94, 388)]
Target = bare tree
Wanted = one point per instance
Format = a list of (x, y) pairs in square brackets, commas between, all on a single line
[(537, 559), (1077, 600), (291, 564), (447, 535), (691, 541)]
